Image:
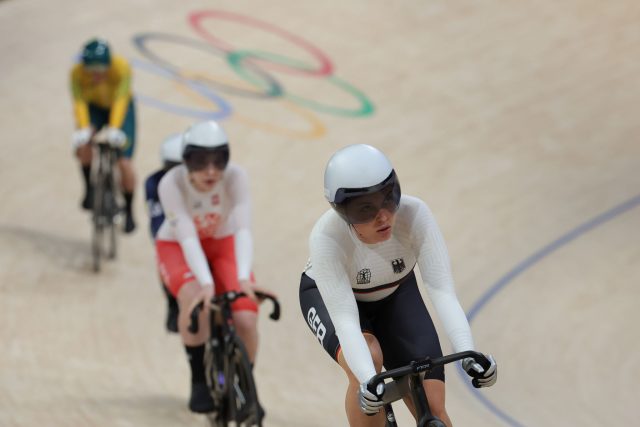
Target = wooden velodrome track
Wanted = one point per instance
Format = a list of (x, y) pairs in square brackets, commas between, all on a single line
[(517, 122)]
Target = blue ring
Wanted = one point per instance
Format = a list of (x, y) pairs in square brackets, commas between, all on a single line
[(271, 88), (225, 109)]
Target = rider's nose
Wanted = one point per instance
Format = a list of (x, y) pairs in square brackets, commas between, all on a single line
[(211, 169), (383, 215)]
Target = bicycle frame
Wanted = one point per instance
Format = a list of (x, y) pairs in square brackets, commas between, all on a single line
[(105, 207), (227, 365), (407, 381), (219, 344)]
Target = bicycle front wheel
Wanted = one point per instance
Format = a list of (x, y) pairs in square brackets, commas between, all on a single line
[(216, 380), (111, 211), (244, 408), (97, 238)]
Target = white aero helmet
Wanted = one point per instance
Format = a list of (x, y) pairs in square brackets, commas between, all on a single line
[(171, 149), (205, 143), (359, 181)]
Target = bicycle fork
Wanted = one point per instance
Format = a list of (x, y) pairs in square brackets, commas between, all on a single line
[(389, 416), (216, 377), (419, 399)]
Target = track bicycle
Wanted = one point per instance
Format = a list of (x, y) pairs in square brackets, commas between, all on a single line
[(407, 381), (227, 368), (105, 210)]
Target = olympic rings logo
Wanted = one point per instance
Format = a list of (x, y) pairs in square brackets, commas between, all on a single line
[(255, 70)]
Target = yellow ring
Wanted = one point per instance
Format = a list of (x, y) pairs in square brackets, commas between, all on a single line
[(318, 129)]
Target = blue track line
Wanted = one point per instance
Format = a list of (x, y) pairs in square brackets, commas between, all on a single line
[(524, 266)]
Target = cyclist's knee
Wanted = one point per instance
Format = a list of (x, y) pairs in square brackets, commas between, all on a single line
[(126, 166), (187, 293), (84, 154), (245, 321), (187, 296), (125, 162)]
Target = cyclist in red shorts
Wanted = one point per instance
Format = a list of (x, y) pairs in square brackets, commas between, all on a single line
[(205, 245)]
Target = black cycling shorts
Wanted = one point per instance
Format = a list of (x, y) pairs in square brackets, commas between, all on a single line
[(400, 322)]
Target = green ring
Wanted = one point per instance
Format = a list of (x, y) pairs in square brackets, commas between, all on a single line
[(235, 59)]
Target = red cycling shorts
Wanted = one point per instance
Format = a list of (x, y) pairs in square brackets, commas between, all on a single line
[(222, 259)]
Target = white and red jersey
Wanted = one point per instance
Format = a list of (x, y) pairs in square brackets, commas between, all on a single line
[(345, 270), (192, 215)]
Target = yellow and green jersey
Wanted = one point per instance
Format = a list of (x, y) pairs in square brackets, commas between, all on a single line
[(112, 92)]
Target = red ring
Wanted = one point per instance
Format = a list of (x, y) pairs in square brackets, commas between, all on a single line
[(325, 69)]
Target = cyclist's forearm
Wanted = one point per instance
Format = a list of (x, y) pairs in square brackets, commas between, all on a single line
[(81, 113), (435, 267), (121, 99), (243, 242), (196, 260), (80, 106), (343, 310), (356, 351), (453, 319), (118, 111)]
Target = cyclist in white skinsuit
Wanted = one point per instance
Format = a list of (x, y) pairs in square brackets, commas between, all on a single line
[(205, 243), (359, 293)]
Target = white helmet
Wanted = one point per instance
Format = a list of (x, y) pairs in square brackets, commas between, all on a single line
[(207, 134), (171, 149), (205, 142), (356, 171)]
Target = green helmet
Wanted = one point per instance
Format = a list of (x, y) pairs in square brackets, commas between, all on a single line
[(96, 52)]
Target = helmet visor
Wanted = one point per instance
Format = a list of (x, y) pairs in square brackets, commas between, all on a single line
[(197, 160), (365, 204)]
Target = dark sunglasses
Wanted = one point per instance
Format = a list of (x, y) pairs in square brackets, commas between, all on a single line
[(363, 209), (197, 161)]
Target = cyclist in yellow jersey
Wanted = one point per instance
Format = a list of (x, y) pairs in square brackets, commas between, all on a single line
[(101, 89)]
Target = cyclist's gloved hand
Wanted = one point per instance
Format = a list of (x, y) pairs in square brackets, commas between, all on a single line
[(116, 137), (482, 376), (81, 137), (370, 404)]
